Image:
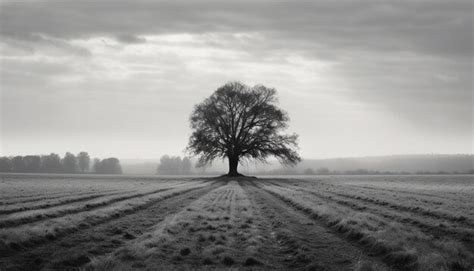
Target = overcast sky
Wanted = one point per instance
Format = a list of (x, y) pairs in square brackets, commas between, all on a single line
[(120, 78)]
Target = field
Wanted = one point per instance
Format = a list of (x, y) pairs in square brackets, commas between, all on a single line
[(317, 223)]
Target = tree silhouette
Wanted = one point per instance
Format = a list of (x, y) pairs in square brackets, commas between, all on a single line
[(51, 163), (18, 165), (32, 163), (69, 163), (96, 167), (83, 161), (107, 166), (238, 122), (6, 164), (186, 166), (173, 165)]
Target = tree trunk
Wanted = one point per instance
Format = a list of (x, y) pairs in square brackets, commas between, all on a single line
[(233, 164)]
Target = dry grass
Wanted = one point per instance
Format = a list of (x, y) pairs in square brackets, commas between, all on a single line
[(404, 232), (71, 217), (370, 223), (209, 228)]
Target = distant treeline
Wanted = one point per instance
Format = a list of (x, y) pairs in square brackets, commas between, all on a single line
[(174, 165), (414, 164), (327, 171), (53, 163), (389, 165)]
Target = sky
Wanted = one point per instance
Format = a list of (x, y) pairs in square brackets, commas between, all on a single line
[(120, 78)]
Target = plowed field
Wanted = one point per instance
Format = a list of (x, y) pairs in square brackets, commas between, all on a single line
[(320, 223)]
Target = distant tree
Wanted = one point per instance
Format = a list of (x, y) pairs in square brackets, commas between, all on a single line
[(174, 165), (6, 164), (309, 171), (96, 165), (32, 163), (186, 166), (323, 171), (169, 165), (83, 161), (18, 165), (107, 166), (51, 163), (357, 172), (238, 122), (69, 163)]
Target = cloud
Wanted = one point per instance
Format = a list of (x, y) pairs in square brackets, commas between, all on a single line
[(126, 38), (438, 26)]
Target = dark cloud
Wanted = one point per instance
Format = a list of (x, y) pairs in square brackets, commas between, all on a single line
[(126, 38), (440, 27)]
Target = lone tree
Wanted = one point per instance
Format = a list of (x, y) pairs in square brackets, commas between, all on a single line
[(240, 122)]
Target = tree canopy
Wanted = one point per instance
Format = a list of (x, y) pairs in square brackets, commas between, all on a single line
[(83, 161), (107, 166), (174, 165), (241, 122)]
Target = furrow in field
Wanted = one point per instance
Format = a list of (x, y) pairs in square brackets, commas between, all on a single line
[(59, 202), (30, 196), (436, 225), (12, 239), (410, 209), (79, 246), (388, 203), (56, 196), (215, 231), (425, 225), (301, 242), (26, 217), (400, 191), (452, 209), (400, 246), (428, 200)]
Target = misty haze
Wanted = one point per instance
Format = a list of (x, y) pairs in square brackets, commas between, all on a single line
[(236, 135)]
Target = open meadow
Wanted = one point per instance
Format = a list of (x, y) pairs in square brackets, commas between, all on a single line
[(310, 223)]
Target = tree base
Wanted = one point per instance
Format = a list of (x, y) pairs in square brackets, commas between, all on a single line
[(238, 175), (232, 175)]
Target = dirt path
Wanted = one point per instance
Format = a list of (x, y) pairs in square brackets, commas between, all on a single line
[(302, 242), (77, 248)]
